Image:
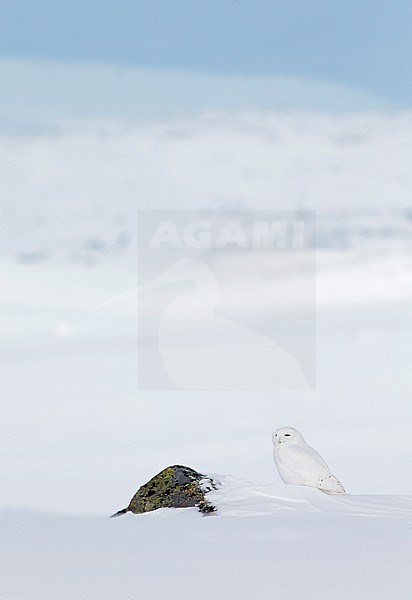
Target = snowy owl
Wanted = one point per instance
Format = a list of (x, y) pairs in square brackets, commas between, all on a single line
[(299, 464)]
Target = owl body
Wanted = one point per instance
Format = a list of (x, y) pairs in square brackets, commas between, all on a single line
[(299, 464)]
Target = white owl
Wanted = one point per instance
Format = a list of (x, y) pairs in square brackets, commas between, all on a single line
[(299, 464)]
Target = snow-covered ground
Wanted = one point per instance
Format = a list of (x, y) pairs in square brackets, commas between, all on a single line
[(78, 436), (264, 541)]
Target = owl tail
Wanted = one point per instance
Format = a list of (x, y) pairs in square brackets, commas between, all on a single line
[(119, 513), (331, 485)]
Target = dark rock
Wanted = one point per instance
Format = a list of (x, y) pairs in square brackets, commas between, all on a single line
[(174, 487)]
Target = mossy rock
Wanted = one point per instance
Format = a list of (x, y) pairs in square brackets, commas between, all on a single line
[(174, 487)]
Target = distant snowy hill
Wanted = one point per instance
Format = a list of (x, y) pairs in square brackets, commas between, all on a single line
[(45, 95), (75, 195)]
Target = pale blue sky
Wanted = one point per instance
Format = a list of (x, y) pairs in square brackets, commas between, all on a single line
[(364, 44)]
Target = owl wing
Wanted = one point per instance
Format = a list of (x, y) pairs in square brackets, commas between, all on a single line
[(307, 460), (314, 470), (326, 482), (302, 464)]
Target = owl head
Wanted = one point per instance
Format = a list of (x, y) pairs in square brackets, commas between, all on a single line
[(287, 435)]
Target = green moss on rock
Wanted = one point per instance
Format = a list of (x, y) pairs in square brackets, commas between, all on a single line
[(174, 487)]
